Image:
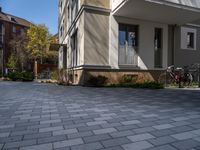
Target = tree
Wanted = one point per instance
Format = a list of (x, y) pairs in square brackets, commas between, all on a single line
[(39, 40), (19, 49), (12, 62)]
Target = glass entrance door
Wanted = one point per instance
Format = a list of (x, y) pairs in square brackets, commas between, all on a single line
[(128, 43)]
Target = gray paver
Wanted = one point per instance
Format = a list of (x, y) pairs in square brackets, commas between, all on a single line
[(103, 131), (90, 146), (164, 147), (38, 147), (162, 140), (186, 144), (115, 142), (137, 146), (66, 143), (140, 137)]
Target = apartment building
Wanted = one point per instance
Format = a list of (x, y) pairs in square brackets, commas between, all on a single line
[(10, 26), (134, 37)]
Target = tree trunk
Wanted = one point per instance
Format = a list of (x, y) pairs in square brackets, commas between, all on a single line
[(35, 69)]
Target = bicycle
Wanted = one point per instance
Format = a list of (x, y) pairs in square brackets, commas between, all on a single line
[(176, 76)]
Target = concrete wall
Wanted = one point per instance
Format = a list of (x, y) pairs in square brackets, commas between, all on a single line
[(97, 3), (184, 57), (146, 42), (79, 27), (96, 35), (191, 3)]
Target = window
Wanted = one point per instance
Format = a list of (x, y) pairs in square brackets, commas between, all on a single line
[(68, 15), (128, 44), (74, 47), (74, 9), (14, 29), (61, 5), (158, 42), (1, 34), (190, 40), (61, 31)]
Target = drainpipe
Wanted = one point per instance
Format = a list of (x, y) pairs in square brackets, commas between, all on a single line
[(174, 46), (2, 48), (199, 75)]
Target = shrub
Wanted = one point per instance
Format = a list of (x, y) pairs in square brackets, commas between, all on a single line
[(55, 75), (97, 81), (27, 76), (21, 76), (128, 79), (149, 85)]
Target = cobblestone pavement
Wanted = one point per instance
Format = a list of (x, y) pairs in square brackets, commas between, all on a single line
[(43, 117)]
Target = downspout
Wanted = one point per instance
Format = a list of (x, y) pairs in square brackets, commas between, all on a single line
[(174, 44)]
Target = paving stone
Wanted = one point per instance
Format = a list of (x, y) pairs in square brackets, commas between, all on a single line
[(96, 123), (38, 147), (96, 138), (1, 146), (51, 139), (130, 122), (137, 145), (37, 135), (143, 130), (163, 126), (90, 146), (184, 135), (186, 144), (19, 144), (164, 147), (103, 131), (51, 129), (121, 133), (6, 134), (67, 143), (140, 137), (113, 148), (63, 132), (162, 140), (50, 121), (115, 142), (159, 133), (80, 134)]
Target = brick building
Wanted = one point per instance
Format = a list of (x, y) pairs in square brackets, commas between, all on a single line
[(10, 26)]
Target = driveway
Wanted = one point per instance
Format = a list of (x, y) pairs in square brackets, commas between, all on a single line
[(43, 117)]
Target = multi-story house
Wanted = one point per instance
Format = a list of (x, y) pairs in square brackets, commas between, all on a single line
[(10, 27), (137, 37)]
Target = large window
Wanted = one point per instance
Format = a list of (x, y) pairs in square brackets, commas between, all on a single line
[(158, 45), (74, 47), (128, 44)]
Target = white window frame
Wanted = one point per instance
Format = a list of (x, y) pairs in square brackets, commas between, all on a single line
[(184, 38)]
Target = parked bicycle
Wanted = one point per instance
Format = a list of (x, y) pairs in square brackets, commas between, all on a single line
[(178, 76)]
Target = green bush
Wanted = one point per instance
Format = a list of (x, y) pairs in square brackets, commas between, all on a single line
[(128, 79), (149, 85), (21, 76), (27, 76), (97, 81)]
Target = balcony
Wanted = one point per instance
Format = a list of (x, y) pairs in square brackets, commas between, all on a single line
[(163, 11)]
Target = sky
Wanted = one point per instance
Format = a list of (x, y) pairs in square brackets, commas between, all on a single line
[(36, 11)]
